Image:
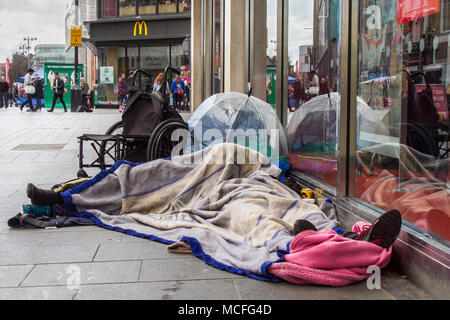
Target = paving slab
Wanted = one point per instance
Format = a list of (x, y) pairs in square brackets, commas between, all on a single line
[(135, 251), (42, 293), (174, 290), (255, 290), (82, 237), (29, 254), (89, 273), (185, 269), (12, 276)]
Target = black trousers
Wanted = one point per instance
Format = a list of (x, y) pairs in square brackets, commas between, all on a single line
[(61, 98), (30, 100)]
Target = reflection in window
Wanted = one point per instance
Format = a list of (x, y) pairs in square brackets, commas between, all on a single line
[(217, 47), (147, 6), (167, 6), (271, 53), (403, 131), (313, 78), (184, 5), (108, 8), (127, 8)]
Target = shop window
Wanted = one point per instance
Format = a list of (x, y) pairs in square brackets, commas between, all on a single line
[(167, 6), (312, 87), (111, 65), (108, 8), (271, 53), (147, 6), (184, 6), (218, 61), (403, 121), (127, 8)]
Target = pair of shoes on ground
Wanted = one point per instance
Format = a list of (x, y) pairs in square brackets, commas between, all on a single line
[(41, 197), (383, 232)]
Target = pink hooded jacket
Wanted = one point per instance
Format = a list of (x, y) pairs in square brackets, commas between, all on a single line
[(326, 258)]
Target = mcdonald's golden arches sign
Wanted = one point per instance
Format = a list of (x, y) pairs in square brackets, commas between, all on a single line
[(141, 27)]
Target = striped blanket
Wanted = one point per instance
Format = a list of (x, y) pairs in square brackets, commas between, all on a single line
[(224, 201)]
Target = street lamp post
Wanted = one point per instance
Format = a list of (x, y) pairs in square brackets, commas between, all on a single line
[(76, 95), (28, 39)]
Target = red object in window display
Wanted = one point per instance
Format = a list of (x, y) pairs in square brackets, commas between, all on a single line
[(410, 10)]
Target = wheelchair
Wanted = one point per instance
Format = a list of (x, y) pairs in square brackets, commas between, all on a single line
[(146, 132)]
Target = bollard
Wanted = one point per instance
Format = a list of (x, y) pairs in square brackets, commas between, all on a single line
[(76, 104)]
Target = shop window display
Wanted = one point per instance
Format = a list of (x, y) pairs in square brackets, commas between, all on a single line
[(404, 79)]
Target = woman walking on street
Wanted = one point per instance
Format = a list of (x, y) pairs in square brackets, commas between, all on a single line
[(122, 92)]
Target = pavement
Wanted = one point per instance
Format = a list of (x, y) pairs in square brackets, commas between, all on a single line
[(42, 148)]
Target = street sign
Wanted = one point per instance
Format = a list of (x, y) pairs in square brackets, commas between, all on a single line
[(75, 36)]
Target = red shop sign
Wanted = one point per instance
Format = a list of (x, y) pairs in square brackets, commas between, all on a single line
[(439, 98), (410, 10)]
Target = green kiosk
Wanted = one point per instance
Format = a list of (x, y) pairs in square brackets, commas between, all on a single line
[(67, 73)]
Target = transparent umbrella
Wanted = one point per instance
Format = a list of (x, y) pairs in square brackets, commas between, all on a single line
[(314, 127), (237, 118)]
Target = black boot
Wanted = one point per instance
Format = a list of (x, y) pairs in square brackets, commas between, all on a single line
[(384, 231), (303, 225), (40, 197)]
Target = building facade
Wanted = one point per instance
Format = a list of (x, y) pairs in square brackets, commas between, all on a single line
[(138, 34), (44, 53), (366, 146)]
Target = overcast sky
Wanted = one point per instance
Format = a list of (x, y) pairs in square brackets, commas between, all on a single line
[(42, 19)]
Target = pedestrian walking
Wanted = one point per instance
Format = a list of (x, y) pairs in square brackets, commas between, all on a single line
[(84, 95), (122, 91), (58, 92), (178, 90), (29, 89), (314, 85), (4, 89), (130, 79), (38, 91), (323, 86), (299, 93)]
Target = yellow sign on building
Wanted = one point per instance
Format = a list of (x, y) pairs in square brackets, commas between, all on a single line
[(75, 36), (142, 25)]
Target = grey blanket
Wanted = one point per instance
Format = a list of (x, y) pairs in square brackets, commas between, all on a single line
[(224, 201)]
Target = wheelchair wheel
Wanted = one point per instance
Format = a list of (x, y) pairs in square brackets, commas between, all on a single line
[(161, 144), (105, 151), (420, 140)]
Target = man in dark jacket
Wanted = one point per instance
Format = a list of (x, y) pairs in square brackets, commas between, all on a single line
[(4, 89), (58, 92), (39, 91)]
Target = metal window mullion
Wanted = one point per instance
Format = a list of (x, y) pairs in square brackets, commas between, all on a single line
[(348, 92), (282, 59), (222, 47)]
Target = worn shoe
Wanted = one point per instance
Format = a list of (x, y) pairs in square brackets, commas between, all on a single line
[(384, 231), (40, 197), (303, 225)]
